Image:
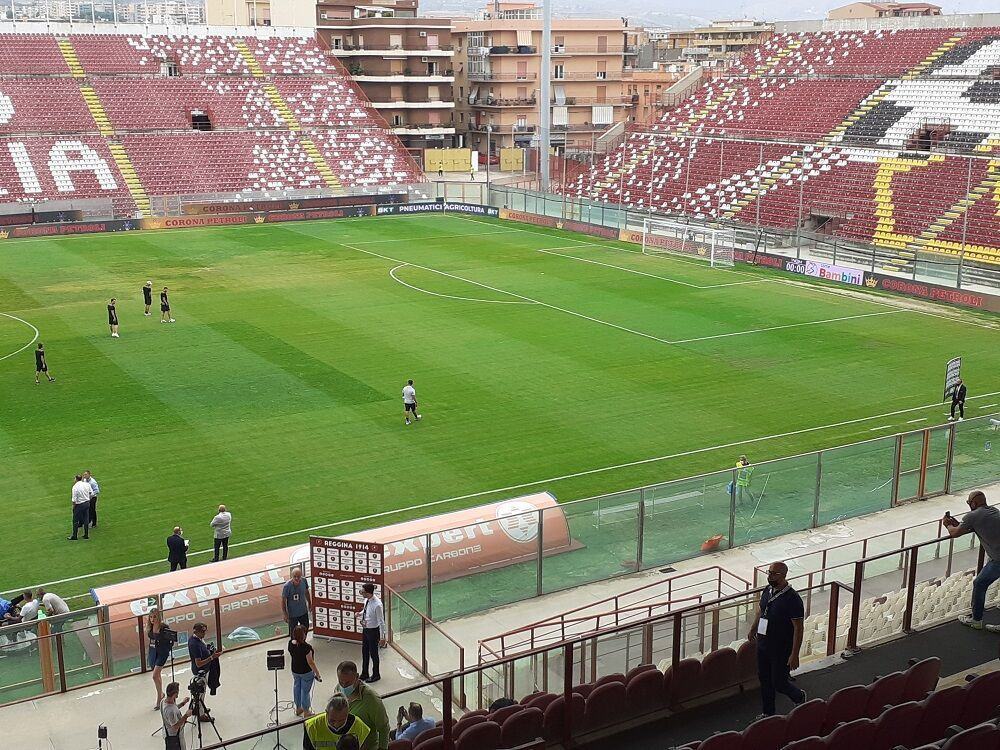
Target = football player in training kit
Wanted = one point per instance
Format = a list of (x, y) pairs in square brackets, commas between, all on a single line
[(147, 296), (40, 364), (165, 316), (113, 317), (409, 402)]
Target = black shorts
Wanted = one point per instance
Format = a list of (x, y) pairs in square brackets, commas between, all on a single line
[(113, 321), (164, 308), (148, 300), (43, 368), (410, 407)]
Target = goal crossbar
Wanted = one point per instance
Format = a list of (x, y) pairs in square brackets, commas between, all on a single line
[(714, 244)]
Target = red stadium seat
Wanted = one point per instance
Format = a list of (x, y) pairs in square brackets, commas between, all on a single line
[(522, 727), (637, 671), (766, 734), (941, 709), (683, 682), (483, 736), (553, 721), (644, 692), (806, 720), (718, 671), (606, 705), (897, 726), (723, 741), (982, 700), (885, 691), (847, 704), (921, 678), (466, 722), (981, 737), (502, 714), (851, 736)]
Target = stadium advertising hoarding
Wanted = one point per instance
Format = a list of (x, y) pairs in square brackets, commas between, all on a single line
[(201, 209), (338, 569), (433, 207), (462, 543), (933, 292), (570, 225)]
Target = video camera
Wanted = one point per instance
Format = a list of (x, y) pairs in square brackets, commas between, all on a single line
[(198, 684)]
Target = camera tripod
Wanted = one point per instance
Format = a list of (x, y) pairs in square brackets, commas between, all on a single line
[(199, 709), (277, 718)]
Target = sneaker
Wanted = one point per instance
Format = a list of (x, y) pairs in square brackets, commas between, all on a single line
[(974, 624), (420, 416), (376, 678), (172, 320), (961, 419), (951, 419), (71, 539), (115, 336), (147, 315), (163, 321), (805, 698), (407, 421), (992, 628)]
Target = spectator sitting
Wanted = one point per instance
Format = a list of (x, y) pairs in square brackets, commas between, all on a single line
[(415, 723)]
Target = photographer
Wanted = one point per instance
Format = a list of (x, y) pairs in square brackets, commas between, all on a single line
[(204, 657), (415, 723), (173, 719)]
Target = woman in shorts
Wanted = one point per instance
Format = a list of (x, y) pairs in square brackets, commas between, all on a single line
[(159, 652)]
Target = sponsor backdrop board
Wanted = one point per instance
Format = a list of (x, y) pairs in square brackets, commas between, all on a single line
[(339, 568), (952, 374), (435, 207)]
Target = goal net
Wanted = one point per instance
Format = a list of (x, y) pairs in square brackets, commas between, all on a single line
[(715, 244)]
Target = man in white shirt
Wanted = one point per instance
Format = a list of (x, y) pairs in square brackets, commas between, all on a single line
[(29, 609), (373, 632), (54, 605), (81, 495), (95, 490), (409, 402), (222, 529)]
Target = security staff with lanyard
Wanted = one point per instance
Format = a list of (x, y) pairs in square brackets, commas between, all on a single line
[(777, 630)]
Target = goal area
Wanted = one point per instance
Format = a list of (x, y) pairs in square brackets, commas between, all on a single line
[(715, 244)]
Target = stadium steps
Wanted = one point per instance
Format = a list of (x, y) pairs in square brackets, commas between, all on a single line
[(132, 181), (69, 55), (288, 117)]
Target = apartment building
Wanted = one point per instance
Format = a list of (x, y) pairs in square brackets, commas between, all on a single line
[(498, 76), (404, 63), (883, 10)]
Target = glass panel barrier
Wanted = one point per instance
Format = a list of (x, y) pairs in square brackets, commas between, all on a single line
[(856, 479), (778, 500), (974, 462), (409, 576), (603, 534), (22, 659), (679, 517), (937, 460), (83, 653), (457, 589)]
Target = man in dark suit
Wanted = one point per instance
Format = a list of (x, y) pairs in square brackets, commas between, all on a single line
[(177, 550), (958, 399)]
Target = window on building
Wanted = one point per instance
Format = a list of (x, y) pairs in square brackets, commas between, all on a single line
[(522, 70), (559, 72), (396, 93), (200, 120), (397, 120), (395, 41), (602, 70), (602, 93), (522, 92), (602, 43), (434, 93)]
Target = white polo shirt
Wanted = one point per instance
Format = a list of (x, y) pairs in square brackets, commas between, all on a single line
[(409, 394), (81, 493), (29, 610)]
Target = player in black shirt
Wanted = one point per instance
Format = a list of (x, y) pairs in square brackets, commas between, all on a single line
[(40, 364), (147, 296), (165, 307), (113, 318)]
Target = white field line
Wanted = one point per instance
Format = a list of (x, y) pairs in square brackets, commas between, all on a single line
[(988, 406), (871, 298), (788, 325), (650, 275), (920, 419), (599, 321), (883, 427), (392, 273), (514, 487), (33, 339)]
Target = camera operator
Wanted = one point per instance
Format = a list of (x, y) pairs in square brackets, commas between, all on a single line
[(173, 719), (204, 657)]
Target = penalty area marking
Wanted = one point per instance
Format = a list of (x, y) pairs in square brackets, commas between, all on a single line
[(392, 273), (33, 339), (512, 488)]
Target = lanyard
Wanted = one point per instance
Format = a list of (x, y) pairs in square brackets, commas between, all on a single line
[(772, 598)]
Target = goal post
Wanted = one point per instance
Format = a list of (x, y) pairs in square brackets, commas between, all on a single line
[(715, 244)]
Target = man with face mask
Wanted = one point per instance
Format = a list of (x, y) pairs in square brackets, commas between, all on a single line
[(365, 704), (323, 731), (777, 631)]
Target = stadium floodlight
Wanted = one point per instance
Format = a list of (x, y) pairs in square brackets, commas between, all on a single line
[(715, 244)]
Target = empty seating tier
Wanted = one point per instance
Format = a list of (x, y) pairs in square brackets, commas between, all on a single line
[(882, 137), (129, 116)]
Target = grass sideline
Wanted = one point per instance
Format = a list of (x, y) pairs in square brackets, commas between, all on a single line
[(277, 390)]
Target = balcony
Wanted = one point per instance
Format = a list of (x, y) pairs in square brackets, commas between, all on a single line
[(516, 129), (597, 75), (491, 101), (415, 104), (395, 51), (502, 77), (564, 49), (521, 49), (372, 77), (423, 130), (587, 101)]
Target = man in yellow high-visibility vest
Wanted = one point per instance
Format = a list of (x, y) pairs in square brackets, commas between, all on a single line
[(743, 473), (323, 731)]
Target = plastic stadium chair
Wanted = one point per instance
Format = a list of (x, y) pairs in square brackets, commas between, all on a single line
[(885, 691), (614, 677), (723, 741), (527, 699), (921, 678), (585, 689), (847, 704), (718, 671), (851, 736), (400, 745), (683, 681), (941, 709), (484, 736), (897, 726), (434, 743), (632, 673), (522, 727), (502, 714), (466, 722), (541, 701), (981, 737), (644, 692), (766, 734), (982, 700), (746, 664), (553, 722), (427, 735), (606, 705), (808, 743), (806, 720)]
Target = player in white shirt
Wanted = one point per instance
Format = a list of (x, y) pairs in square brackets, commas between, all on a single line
[(409, 402)]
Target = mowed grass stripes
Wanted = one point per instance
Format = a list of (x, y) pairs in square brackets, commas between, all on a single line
[(277, 389)]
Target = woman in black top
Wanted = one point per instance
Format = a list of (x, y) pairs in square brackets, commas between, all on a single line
[(159, 651), (304, 672), (113, 318)]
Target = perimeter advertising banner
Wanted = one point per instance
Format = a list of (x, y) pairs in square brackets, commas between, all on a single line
[(932, 292), (435, 207), (460, 543), (201, 209), (339, 568), (952, 374)]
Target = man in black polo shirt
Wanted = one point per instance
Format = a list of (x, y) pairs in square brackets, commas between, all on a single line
[(777, 631)]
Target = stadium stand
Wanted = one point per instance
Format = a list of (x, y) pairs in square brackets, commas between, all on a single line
[(128, 118), (879, 137)]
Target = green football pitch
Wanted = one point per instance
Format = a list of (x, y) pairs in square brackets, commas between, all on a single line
[(543, 360)]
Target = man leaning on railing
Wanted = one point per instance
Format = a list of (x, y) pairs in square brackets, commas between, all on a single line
[(984, 521)]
